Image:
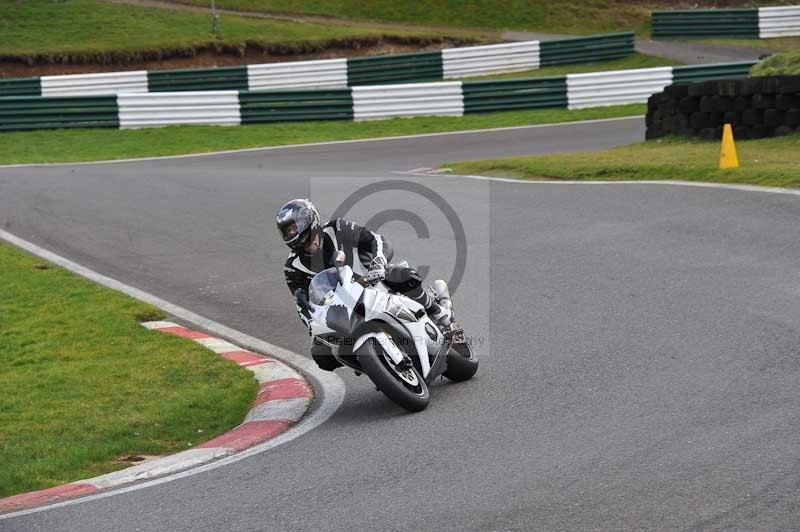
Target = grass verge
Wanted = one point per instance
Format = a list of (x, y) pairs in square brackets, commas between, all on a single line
[(576, 17), (85, 385), (777, 44), (635, 60), (103, 144), (581, 17), (88, 26), (766, 162), (778, 64)]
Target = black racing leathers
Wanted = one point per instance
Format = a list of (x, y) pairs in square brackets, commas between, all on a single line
[(360, 246)]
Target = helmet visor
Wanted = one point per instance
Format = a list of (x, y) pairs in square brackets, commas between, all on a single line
[(295, 235), (289, 231)]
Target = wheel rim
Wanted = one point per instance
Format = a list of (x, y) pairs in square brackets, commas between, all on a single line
[(408, 377)]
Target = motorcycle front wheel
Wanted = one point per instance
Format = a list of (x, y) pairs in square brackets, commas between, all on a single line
[(405, 387)]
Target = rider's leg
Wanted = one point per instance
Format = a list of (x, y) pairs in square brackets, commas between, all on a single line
[(409, 283), (441, 315)]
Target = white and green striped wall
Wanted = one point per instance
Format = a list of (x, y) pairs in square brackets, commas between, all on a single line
[(447, 98), (752, 23), (450, 63)]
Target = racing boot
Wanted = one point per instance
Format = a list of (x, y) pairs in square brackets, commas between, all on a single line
[(441, 311), (449, 325), (443, 316)]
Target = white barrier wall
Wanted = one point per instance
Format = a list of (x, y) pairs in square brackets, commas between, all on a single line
[(414, 99), (218, 108), (94, 84), (328, 74), (778, 21), (491, 59), (597, 89), (372, 102)]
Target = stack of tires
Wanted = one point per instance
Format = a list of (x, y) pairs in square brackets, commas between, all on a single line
[(756, 108)]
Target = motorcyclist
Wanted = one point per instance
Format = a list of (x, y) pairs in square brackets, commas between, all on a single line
[(314, 246)]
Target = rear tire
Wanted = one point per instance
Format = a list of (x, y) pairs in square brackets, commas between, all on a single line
[(462, 363), (374, 362)]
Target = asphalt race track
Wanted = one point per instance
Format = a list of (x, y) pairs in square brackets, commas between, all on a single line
[(640, 362)]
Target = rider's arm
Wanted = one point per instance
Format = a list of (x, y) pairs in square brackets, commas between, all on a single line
[(369, 244), (296, 279)]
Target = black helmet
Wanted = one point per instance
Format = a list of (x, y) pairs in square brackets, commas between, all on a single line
[(298, 221)]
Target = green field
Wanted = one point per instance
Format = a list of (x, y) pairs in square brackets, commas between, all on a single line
[(85, 385), (74, 27), (584, 17), (103, 144), (767, 162), (576, 17), (81, 26)]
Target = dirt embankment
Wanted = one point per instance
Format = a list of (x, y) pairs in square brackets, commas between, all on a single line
[(213, 54)]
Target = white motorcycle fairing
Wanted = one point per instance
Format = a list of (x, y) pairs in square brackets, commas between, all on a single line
[(391, 349), (335, 312)]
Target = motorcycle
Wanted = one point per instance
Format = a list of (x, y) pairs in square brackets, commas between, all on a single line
[(386, 335)]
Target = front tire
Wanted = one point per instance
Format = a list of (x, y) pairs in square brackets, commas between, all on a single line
[(462, 363), (413, 396)]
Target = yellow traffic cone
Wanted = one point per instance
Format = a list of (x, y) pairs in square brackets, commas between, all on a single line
[(727, 155)]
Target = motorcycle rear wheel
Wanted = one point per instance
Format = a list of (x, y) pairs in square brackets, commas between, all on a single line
[(462, 363), (408, 390)]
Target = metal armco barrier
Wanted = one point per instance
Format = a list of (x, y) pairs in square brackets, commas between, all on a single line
[(199, 79), (531, 93), (404, 68), (34, 112), (369, 102), (219, 108), (616, 88), (295, 105), (705, 23), (94, 84), (414, 99), (778, 21), (20, 87), (697, 73), (753, 23), (328, 73), (492, 59), (336, 73), (587, 49)]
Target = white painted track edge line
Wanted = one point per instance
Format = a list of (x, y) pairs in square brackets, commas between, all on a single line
[(661, 182), (329, 388), (328, 143)]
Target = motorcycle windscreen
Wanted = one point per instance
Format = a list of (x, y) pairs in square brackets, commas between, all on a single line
[(322, 286)]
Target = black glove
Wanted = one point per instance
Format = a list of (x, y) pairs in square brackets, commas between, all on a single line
[(414, 279), (303, 309), (402, 278)]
